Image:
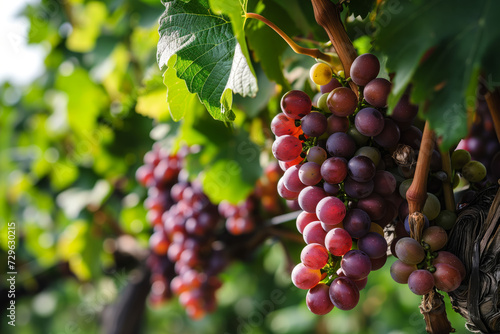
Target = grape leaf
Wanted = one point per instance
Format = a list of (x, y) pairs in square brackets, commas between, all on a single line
[(209, 58), (441, 61)]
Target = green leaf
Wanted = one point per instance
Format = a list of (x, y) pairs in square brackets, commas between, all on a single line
[(209, 58), (445, 80)]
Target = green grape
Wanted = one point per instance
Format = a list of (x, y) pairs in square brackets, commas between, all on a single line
[(474, 171), (321, 74), (446, 219), (456, 180), (403, 187), (370, 152), (432, 206), (360, 139), (459, 158), (322, 103)]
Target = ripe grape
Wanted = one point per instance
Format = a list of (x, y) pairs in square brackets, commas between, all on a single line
[(309, 198), (378, 263), (409, 251), (377, 91), (305, 278), (344, 293), (282, 125), (361, 168), (291, 179), (309, 173), (400, 271), (342, 102), (341, 144), (314, 124), (287, 148), (357, 223), (321, 73), (331, 189), (356, 264), (384, 183), (373, 244), (356, 189), (334, 83), (452, 260), (284, 192), (316, 154), (389, 137), (318, 299), (364, 69), (330, 210), (334, 170), (435, 237), (420, 282), (296, 104), (314, 256), (314, 233), (338, 241), (369, 122), (337, 124), (446, 277), (303, 219)]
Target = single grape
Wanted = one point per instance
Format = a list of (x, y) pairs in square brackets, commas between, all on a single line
[(359, 138), (373, 244), (344, 293), (331, 189), (314, 256), (296, 104), (341, 144), (361, 168), (404, 186), (411, 137), (369, 122), (452, 260), (334, 83), (291, 179), (435, 237), (314, 124), (338, 241), (374, 205), (337, 124), (432, 206), (420, 282), (342, 102), (316, 154), (331, 210), (334, 170), (400, 271), (409, 251), (389, 137), (364, 69), (356, 264), (309, 198), (287, 148), (321, 73), (357, 223), (284, 192), (474, 171), (310, 173), (358, 189), (377, 91), (314, 233), (318, 299), (446, 219), (379, 262), (459, 158), (305, 278), (404, 111), (384, 183), (282, 125), (323, 103), (447, 278)]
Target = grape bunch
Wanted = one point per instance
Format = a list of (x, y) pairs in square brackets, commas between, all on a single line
[(193, 240), (424, 265)]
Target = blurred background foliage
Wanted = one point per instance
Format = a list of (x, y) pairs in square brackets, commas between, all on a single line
[(70, 142)]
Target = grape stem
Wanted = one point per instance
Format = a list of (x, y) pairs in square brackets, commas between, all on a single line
[(449, 199), (314, 53)]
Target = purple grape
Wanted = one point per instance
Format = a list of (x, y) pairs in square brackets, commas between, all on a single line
[(357, 223), (314, 124), (361, 168), (344, 293), (337, 124), (377, 91), (309, 198), (374, 205), (342, 101), (334, 170), (384, 183), (356, 264), (331, 210), (296, 104), (318, 299), (389, 137), (369, 122), (404, 111), (341, 144), (373, 244), (358, 189), (364, 69), (420, 282)]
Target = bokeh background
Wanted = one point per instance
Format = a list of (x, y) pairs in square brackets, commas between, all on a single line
[(78, 84)]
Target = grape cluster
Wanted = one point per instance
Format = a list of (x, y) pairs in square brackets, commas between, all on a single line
[(342, 157), (424, 265), (191, 240)]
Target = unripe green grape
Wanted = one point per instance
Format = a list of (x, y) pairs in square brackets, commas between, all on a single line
[(370, 152), (341, 74), (403, 187), (456, 180), (446, 219), (320, 73), (432, 206), (459, 158), (360, 139), (322, 103), (474, 171)]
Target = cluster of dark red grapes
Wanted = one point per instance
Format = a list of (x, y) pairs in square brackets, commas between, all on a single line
[(424, 265), (348, 165), (190, 244)]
